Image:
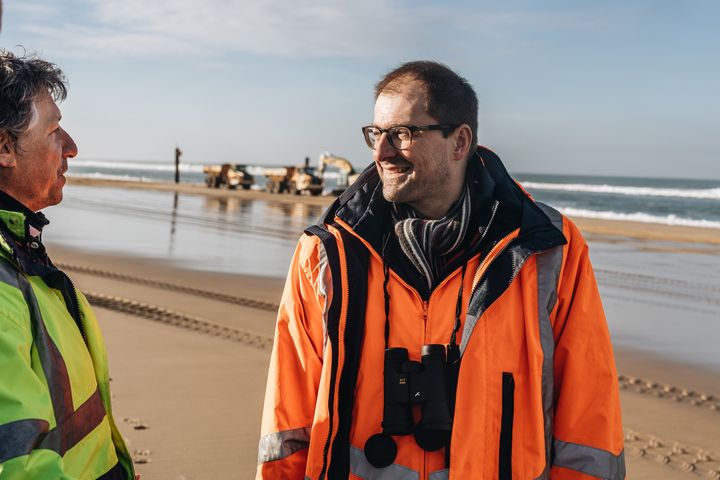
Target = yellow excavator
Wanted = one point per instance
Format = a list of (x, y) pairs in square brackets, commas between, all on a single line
[(347, 174)]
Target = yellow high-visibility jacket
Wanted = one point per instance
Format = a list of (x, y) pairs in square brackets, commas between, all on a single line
[(55, 416)]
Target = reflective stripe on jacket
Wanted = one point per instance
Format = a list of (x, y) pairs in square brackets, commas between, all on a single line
[(537, 394), (55, 417)]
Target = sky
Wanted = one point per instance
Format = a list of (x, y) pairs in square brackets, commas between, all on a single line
[(626, 88)]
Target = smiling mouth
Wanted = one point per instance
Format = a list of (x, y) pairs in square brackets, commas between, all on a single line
[(395, 169)]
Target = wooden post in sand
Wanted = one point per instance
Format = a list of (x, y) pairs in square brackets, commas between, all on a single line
[(178, 152)]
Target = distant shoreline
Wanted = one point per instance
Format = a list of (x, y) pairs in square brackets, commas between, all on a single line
[(589, 226)]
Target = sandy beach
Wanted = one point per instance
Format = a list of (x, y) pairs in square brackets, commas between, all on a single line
[(189, 350)]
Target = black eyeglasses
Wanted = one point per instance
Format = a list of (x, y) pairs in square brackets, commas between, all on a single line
[(401, 136)]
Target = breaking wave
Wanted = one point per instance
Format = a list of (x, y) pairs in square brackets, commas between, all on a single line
[(147, 166), (707, 194), (110, 176), (639, 217)]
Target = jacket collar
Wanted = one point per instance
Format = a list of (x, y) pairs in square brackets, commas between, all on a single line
[(20, 227), (364, 209), (19, 220)]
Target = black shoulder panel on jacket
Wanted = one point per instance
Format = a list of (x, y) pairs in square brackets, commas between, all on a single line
[(357, 258), (357, 264)]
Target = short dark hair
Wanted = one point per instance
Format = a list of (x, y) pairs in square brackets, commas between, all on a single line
[(22, 79), (449, 98)]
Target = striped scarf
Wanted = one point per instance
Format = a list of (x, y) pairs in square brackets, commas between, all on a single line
[(428, 243)]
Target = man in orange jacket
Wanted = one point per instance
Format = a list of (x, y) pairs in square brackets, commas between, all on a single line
[(439, 323)]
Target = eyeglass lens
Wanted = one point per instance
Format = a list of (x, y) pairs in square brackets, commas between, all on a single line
[(399, 137)]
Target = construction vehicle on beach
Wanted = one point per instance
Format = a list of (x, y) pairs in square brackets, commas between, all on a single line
[(228, 176), (346, 172), (294, 180)]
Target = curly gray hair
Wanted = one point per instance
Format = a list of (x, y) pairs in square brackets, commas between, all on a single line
[(21, 80)]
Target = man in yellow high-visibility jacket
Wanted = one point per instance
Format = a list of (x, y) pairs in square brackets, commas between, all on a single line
[(55, 416)]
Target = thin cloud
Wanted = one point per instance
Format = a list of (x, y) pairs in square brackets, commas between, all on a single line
[(279, 28), (31, 8)]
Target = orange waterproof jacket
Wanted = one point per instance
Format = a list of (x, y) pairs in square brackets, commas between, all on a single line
[(537, 394)]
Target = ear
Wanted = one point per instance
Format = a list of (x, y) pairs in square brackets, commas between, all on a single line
[(463, 142), (7, 152)]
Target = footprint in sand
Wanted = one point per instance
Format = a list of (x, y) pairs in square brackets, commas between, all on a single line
[(141, 456), (136, 423)]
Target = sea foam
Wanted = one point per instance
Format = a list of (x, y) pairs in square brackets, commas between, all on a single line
[(156, 167), (110, 176), (639, 217), (708, 193)]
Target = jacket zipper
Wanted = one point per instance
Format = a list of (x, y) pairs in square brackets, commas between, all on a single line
[(425, 307), (424, 465), (75, 312), (492, 255), (498, 249), (338, 373)]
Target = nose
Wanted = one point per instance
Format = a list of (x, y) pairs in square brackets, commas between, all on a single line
[(383, 149), (69, 147)]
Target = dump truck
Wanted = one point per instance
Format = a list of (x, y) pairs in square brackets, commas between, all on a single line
[(294, 180), (228, 176), (347, 174)]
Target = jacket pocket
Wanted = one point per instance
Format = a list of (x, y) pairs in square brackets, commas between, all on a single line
[(506, 427)]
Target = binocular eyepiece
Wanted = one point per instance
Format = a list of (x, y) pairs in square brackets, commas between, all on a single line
[(407, 383)]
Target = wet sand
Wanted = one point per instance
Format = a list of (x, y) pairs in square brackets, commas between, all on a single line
[(200, 189), (200, 394), (609, 229)]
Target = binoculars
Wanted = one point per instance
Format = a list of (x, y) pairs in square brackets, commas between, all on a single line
[(407, 383)]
